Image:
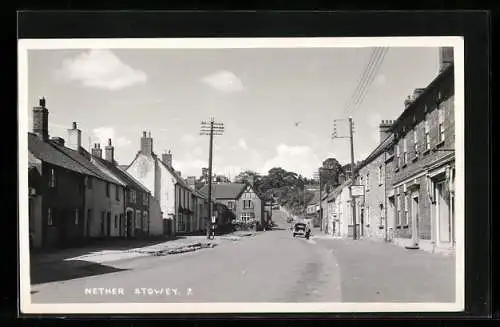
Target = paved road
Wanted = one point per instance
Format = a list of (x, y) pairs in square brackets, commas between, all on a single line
[(269, 267)]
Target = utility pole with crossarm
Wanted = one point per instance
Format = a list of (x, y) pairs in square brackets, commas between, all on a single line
[(210, 128)]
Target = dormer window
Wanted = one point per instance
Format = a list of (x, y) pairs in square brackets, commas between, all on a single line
[(52, 178)]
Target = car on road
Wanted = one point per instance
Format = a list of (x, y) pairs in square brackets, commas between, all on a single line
[(301, 229)]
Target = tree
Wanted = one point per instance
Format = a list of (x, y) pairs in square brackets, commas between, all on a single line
[(331, 173)]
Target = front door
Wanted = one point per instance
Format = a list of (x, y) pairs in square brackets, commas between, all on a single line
[(443, 212), (130, 221), (108, 224), (415, 219)]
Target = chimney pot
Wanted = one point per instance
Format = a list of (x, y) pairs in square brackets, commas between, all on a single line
[(74, 125), (144, 134), (42, 102), (109, 141)]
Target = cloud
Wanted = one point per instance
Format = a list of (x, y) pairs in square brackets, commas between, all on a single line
[(102, 134), (243, 144), (224, 81), (197, 151), (299, 159), (100, 69)]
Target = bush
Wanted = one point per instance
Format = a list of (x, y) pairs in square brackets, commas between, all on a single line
[(244, 226)]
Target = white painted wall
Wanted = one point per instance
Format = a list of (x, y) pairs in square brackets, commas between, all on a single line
[(155, 217)]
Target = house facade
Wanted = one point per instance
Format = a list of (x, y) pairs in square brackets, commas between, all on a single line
[(372, 175), (104, 192), (166, 186), (424, 168), (241, 199)]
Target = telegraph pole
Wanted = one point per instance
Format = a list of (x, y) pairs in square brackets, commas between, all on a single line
[(353, 174), (210, 128)]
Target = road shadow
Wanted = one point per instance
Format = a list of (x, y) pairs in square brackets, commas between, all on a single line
[(67, 270), (56, 256)]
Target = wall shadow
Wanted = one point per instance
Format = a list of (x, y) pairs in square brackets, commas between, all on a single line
[(67, 270)]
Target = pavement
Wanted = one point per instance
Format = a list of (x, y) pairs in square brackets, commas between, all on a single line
[(270, 266)]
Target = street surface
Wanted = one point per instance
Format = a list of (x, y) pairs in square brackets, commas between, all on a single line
[(269, 267)]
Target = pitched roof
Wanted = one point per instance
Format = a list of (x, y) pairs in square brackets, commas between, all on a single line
[(80, 159), (178, 178), (46, 152), (123, 175), (225, 190)]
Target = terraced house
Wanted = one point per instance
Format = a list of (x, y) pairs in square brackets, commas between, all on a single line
[(66, 186), (424, 165)]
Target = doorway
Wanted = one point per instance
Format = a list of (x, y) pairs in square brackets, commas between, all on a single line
[(108, 224), (130, 226), (415, 219), (443, 213)]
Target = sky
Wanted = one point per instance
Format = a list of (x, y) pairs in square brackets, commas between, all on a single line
[(278, 105)]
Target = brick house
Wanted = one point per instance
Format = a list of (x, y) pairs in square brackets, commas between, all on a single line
[(423, 166), (371, 210)]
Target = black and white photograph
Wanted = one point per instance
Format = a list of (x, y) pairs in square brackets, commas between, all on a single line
[(241, 175)]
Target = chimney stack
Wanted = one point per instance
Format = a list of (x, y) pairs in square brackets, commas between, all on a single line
[(146, 144), (417, 93), (385, 129), (97, 151), (178, 172), (191, 181), (445, 58), (74, 137), (204, 174), (109, 152), (41, 120), (407, 101), (166, 157)]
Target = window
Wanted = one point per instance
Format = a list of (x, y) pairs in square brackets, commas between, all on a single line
[(182, 223), (247, 216), (441, 123), (367, 181), (117, 193), (137, 219), (398, 210), (426, 133), (116, 221), (405, 152), (405, 218), (131, 196), (50, 219), (230, 205), (76, 216), (247, 204), (52, 178), (380, 175), (108, 186), (398, 163), (144, 199), (415, 142)]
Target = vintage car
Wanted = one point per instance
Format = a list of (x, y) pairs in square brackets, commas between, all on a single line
[(301, 229)]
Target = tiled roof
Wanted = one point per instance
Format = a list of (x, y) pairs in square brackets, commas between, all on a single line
[(46, 152), (225, 190), (84, 162), (122, 175)]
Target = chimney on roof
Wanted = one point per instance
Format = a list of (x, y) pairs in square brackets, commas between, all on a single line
[(109, 152), (41, 120), (58, 140), (146, 144), (385, 129), (74, 137), (178, 172), (191, 181), (204, 174), (407, 101), (97, 151), (445, 58), (166, 157)]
